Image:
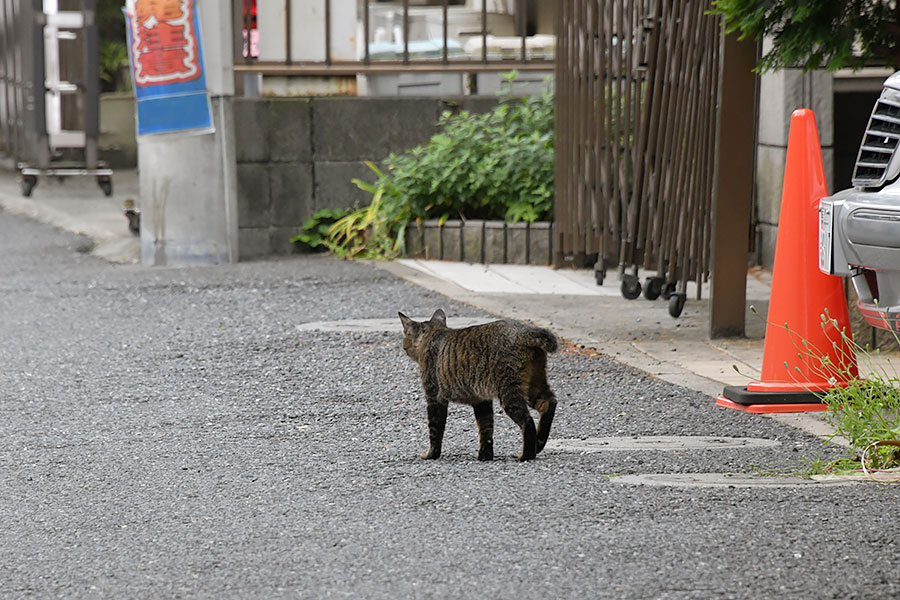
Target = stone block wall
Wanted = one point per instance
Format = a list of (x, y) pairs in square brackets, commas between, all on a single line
[(782, 92), (298, 155)]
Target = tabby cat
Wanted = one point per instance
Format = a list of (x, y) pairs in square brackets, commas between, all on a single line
[(503, 359)]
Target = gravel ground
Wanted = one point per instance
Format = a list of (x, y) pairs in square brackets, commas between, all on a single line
[(170, 433)]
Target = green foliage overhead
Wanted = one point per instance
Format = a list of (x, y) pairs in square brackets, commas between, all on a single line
[(812, 34)]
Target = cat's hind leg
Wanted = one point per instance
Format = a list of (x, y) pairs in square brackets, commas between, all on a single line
[(484, 416), (540, 397), (514, 404), (545, 404)]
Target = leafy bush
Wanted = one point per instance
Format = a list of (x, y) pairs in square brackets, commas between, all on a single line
[(496, 165), (366, 232), (315, 230)]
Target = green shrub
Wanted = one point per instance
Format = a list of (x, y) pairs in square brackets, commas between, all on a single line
[(315, 230), (496, 165)]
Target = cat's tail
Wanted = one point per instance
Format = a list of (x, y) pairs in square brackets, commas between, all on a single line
[(537, 337)]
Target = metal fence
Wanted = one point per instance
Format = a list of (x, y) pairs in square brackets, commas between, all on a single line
[(21, 75), (522, 58), (49, 89), (635, 138)]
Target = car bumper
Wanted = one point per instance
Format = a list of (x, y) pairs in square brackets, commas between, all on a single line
[(859, 237)]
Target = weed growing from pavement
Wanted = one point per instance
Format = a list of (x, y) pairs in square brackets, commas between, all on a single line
[(865, 411)]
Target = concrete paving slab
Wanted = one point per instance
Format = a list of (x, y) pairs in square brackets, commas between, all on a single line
[(508, 279), (544, 280), (746, 353), (391, 325), (657, 442), (585, 278), (718, 370), (705, 360), (718, 480), (472, 277), (870, 477)]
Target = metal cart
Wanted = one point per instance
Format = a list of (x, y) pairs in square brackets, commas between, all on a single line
[(49, 90)]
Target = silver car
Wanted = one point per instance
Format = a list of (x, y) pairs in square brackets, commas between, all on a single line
[(859, 228)]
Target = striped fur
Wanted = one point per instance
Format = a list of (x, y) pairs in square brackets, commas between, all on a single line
[(505, 359)]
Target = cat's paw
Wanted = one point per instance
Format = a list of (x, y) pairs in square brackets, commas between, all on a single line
[(527, 456), (486, 454), (431, 454)]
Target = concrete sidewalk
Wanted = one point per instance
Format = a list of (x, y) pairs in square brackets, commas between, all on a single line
[(639, 333), (78, 205)]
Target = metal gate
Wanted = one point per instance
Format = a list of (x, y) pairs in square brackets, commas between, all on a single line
[(637, 84), (20, 46), (49, 89)]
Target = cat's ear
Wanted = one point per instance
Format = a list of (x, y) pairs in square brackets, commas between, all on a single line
[(405, 321), (439, 317)]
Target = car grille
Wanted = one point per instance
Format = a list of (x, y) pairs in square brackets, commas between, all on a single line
[(879, 143)]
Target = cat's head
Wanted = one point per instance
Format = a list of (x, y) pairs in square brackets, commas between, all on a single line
[(414, 331)]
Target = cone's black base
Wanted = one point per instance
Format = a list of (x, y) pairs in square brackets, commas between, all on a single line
[(741, 395)]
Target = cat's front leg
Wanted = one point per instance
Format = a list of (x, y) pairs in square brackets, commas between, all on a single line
[(484, 416), (437, 420)]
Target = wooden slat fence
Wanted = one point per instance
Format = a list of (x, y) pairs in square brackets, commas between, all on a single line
[(637, 84)]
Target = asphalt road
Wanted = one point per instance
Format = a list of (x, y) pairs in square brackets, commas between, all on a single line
[(171, 433)]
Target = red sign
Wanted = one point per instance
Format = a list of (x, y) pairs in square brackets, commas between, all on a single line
[(164, 42)]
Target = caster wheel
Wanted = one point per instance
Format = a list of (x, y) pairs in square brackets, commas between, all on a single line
[(676, 304), (653, 287), (667, 290), (133, 215), (631, 287), (105, 184), (28, 183), (134, 222)]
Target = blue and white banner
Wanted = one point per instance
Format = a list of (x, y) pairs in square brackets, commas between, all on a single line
[(166, 55)]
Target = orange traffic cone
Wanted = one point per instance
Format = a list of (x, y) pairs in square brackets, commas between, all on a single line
[(804, 350)]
